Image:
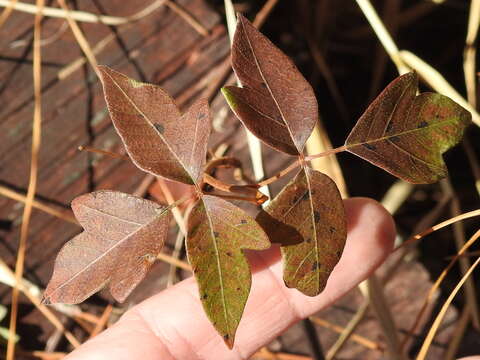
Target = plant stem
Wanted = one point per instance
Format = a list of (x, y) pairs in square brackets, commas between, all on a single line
[(103, 152), (297, 164), (251, 191), (326, 153), (280, 174), (253, 200)]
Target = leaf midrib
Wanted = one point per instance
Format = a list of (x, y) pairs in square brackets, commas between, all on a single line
[(153, 127), (388, 137), (314, 227), (219, 268), (268, 86), (107, 251)]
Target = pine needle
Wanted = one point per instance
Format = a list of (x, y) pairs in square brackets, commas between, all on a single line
[(438, 320), (32, 186)]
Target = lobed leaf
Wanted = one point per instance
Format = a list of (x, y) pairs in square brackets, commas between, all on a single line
[(406, 134), (308, 219), (157, 137), (122, 238), (217, 233), (276, 103)]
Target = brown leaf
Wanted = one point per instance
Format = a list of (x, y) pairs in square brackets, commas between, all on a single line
[(308, 219), (157, 137), (217, 233), (276, 103), (407, 134), (122, 238)]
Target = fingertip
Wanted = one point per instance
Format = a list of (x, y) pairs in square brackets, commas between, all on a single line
[(371, 215)]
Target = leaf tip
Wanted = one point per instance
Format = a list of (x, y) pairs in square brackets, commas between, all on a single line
[(229, 96), (102, 70), (229, 340)]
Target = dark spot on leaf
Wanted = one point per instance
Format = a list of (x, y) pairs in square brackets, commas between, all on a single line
[(389, 127), (339, 253), (229, 253), (302, 197), (332, 229), (316, 216), (315, 265), (201, 116), (422, 124), (263, 85), (159, 127), (46, 301), (216, 234), (238, 289), (207, 188), (305, 196), (243, 221), (369, 146), (226, 337), (309, 240), (395, 138), (205, 296)]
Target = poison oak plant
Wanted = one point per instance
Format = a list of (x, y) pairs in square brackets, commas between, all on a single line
[(401, 132)]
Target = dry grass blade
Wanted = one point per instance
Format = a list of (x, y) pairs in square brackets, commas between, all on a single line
[(7, 11), (254, 146), (438, 226), (32, 185), (458, 333), (470, 51), (175, 210), (79, 15), (393, 199), (33, 294), (361, 340), (348, 330), (171, 260), (179, 241), (326, 72), (436, 285), (433, 78), (5, 191), (102, 323), (266, 354), (42, 355), (32, 291), (77, 32), (464, 262), (187, 17), (319, 142), (396, 195), (69, 69), (181, 227), (383, 35), (438, 320), (374, 290)]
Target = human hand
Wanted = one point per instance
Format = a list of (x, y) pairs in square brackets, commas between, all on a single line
[(173, 325)]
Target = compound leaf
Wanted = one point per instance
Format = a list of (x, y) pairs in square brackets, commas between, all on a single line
[(157, 137), (122, 238), (406, 134), (308, 219), (217, 233), (276, 103)]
